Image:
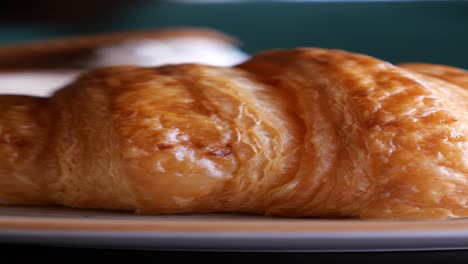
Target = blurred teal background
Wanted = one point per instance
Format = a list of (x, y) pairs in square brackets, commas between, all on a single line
[(424, 31)]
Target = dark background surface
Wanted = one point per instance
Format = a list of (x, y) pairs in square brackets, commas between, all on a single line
[(425, 31), (15, 253), (434, 31)]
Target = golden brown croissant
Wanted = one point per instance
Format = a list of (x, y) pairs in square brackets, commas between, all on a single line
[(297, 133)]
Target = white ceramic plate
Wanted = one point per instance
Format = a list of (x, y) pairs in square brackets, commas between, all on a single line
[(87, 228)]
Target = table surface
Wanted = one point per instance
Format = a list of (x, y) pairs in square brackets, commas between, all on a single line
[(14, 252)]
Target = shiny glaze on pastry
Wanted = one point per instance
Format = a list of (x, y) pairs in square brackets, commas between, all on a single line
[(295, 133)]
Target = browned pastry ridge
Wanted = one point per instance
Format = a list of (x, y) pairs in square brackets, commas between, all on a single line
[(296, 133)]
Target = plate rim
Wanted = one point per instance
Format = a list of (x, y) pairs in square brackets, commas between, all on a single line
[(225, 232)]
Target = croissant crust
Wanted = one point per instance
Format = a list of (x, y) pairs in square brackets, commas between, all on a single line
[(298, 133)]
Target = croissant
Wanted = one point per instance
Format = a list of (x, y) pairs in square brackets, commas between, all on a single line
[(296, 133), (40, 67)]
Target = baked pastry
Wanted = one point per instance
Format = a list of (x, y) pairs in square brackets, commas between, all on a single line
[(297, 133), (90, 50), (444, 72), (40, 68)]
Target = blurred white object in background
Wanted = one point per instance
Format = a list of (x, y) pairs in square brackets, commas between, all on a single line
[(151, 52), (142, 52), (37, 83)]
